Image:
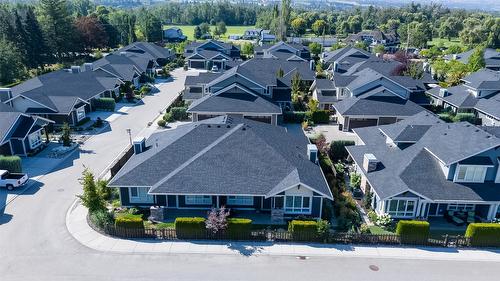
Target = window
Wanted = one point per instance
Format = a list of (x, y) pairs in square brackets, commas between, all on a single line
[(140, 195), (401, 208), (80, 113), (470, 173), (198, 200), (461, 207), (35, 139), (297, 204), (240, 200)]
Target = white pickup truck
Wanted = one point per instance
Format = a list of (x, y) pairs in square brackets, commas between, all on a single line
[(12, 180)]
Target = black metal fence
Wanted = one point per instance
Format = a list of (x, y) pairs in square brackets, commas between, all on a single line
[(286, 236)]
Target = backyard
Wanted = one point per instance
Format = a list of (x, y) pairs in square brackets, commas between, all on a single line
[(445, 42), (188, 30)]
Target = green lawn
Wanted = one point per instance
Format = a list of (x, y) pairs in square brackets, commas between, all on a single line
[(378, 230), (188, 30), (445, 42)]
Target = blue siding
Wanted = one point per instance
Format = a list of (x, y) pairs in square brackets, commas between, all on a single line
[(182, 203), (172, 201), (316, 206), (161, 200), (124, 196)]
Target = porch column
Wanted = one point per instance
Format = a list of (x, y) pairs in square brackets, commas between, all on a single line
[(217, 202), (424, 206), (492, 212)]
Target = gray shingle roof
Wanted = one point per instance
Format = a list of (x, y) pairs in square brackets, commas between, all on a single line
[(377, 106), (491, 57), (8, 116), (225, 155), (147, 49), (416, 167), (483, 79)]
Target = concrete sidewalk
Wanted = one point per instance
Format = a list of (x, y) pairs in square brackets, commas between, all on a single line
[(77, 225)]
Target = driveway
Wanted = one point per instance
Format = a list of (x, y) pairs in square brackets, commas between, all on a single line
[(35, 243), (332, 133)]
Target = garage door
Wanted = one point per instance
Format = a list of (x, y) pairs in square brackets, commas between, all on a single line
[(198, 64), (264, 119), (205, 116), (360, 123)]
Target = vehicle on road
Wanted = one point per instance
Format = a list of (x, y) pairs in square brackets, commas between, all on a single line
[(12, 180)]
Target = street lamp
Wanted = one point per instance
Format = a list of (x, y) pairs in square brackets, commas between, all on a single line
[(129, 132)]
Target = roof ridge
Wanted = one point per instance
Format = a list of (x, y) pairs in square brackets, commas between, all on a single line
[(197, 155)]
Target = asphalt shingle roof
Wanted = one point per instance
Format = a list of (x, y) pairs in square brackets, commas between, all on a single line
[(377, 106), (224, 155)]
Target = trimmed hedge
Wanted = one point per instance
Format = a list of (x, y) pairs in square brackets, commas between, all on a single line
[(294, 117), (484, 234), (413, 232), (239, 229), (105, 104), (190, 228), (11, 164), (129, 221), (303, 230), (338, 151), (469, 117), (320, 116)]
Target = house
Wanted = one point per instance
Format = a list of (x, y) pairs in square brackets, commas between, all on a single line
[(122, 67), (491, 58), (157, 55), (368, 98), (206, 55), (251, 89), (422, 167), (283, 50), (241, 164), (174, 34), (479, 94), (194, 85), (252, 34), (349, 60), (372, 38), (20, 134), (324, 41), (63, 95), (267, 37)]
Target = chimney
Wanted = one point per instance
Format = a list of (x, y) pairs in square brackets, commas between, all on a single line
[(443, 92), (312, 153), (335, 66), (5, 94), (75, 69), (139, 145), (312, 66), (370, 162), (123, 53), (88, 66)]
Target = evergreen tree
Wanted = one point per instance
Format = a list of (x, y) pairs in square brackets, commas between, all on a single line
[(91, 197), (11, 63), (35, 44), (57, 26), (197, 32)]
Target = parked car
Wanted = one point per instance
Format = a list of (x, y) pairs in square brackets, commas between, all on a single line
[(12, 180)]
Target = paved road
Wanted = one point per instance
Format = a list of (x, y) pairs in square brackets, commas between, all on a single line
[(35, 244)]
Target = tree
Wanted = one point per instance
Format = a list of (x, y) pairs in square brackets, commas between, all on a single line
[(355, 23), (414, 69), (315, 48), (380, 49), (11, 62), (296, 84), (149, 26), (92, 33), (66, 135), (450, 27), (476, 59), (57, 26), (299, 26), (247, 49), (319, 27), (217, 220), (204, 27), (197, 32), (473, 32), (124, 24), (91, 197), (280, 73), (286, 11), (220, 28), (35, 43)]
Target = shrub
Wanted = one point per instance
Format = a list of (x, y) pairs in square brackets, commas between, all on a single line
[(127, 220), (179, 113), (101, 219), (11, 163), (303, 230), (105, 104), (383, 220), (413, 232), (167, 117), (323, 230), (103, 189), (339, 168), (294, 117), (190, 228), (162, 123), (320, 116), (484, 234), (98, 122), (469, 117), (145, 89), (239, 229), (338, 151), (355, 180), (446, 117), (372, 216)]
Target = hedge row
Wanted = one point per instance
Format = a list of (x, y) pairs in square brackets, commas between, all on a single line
[(105, 104), (337, 149), (294, 117), (239, 228), (179, 113), (129, 221), (303, 230), (189, 228), (318, 116), (413, 232), (484, 234), (11, 164)]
